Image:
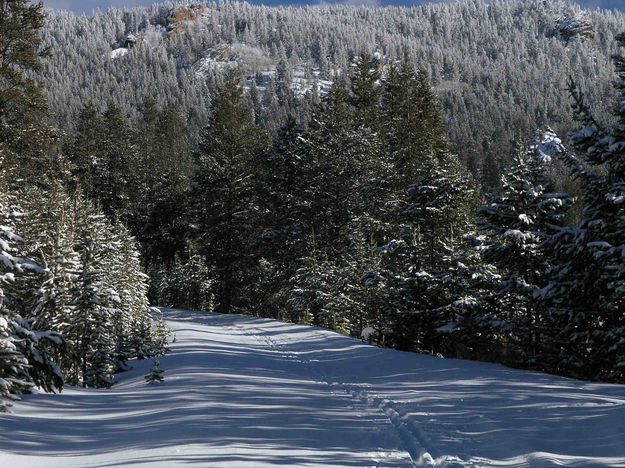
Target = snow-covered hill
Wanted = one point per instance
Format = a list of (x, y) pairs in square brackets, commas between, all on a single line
[(242, 391)]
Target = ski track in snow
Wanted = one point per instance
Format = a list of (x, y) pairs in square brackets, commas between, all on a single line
[(361, 402), (242, 391), (409, 436)]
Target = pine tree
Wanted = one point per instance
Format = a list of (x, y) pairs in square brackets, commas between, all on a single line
[(164, 169), (160, 345), (85, 151), (117, 187), (516, 224), (421, 258), (14, 376), (223, 191), (427, 198), (281, 220), (365, 90), (412, 127), (585, 296), (130, 313), (25, 138), (90, 335), (50, 229), (14, 368), (24, 357), (155, 375), (336, 155)]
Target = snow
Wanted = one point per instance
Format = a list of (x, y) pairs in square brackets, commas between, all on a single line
[(525, 219), (447, 328), (241, 391), (368, 334), (518, 236), (548, 145), (120, 52), (205, 64)]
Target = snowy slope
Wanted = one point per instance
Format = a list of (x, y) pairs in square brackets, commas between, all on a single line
[(242, 391)]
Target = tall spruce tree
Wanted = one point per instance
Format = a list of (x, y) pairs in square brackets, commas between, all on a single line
[(282, 222), (223, 192), (586, 297), (24, 354), (90, 335), (25, 136), (85, 151), (515, 225)]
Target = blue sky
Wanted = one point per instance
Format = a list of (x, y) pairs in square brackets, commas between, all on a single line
[(87, 6)]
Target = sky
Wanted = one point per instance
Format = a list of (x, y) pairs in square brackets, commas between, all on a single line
[(86, 6)]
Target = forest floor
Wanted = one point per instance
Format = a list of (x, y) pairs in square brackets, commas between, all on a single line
[(242, 391)]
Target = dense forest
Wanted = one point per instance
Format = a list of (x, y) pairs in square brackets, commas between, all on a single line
[(387, 179), (499, 67)]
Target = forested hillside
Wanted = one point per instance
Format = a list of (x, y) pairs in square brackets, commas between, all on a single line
[(499, 68)]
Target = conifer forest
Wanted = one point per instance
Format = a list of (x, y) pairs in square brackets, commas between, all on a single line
[(445, 179)]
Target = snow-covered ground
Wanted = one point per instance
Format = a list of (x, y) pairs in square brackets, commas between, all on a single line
[(242, 391)]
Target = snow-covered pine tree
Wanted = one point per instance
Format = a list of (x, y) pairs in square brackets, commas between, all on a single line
[(474, 329), (421, 259), (14, 368), (309, 289), (361, 290), (323, 291), (50, 228), (515, 224), (280, 221), (160, 338), (130, 317), (90, 335), (24, 358), (119, 286), (586, 296), (156, 374), (187, 283)]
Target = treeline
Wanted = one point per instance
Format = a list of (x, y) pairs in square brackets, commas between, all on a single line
[(364, 219), (73, 294)]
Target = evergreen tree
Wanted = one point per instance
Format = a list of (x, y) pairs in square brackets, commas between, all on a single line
[(516, 224), (420, 261), (14, 368), (160, 345), (223, 191), (281, 222), (365, 90), (90, 335), (412, 126), (117, 187), (169, 174), (155, 375), (85, 151), (585, 294), (25, 138), (24, 358)]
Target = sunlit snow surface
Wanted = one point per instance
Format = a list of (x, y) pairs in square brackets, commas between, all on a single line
[(242, 391)]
